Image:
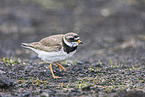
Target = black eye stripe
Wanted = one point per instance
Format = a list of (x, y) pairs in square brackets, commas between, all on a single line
[(71, 38), (76, 36)]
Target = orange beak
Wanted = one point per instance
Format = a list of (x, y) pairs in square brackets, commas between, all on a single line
[(80, 42)]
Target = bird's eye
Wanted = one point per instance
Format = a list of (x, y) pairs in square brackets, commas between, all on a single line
[(71, 38), (76, 36)]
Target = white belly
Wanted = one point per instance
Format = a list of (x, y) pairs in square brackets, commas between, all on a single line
[(50, 57)]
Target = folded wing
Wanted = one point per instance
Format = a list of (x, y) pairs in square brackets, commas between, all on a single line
[(49, 44)]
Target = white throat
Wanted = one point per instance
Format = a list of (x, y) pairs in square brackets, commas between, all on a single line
[(70, 44)]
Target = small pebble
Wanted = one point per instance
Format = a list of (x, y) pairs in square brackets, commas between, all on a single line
[(44, 94), (87, 88), (64, 80), (75, 90), (5, 82)]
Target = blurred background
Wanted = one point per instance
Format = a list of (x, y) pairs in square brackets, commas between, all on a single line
[(108, 28)]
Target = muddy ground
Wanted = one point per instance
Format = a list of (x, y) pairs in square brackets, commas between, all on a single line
[(111, 62)]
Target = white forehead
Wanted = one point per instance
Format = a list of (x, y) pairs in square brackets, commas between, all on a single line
[(77, 38)]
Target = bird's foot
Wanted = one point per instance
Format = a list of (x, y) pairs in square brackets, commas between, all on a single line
[(56, 77), (60, 66)]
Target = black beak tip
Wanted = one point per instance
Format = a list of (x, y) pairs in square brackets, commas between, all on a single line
[(81, 42)]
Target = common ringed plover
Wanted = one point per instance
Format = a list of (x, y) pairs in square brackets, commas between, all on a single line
[(55, 48)]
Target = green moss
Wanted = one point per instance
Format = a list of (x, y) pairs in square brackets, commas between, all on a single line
[(11, 61)]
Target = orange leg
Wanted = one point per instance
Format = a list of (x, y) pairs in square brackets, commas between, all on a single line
[(60, 66), (50, 66)]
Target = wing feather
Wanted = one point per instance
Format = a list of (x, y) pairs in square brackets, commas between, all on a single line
[(49, 44)]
